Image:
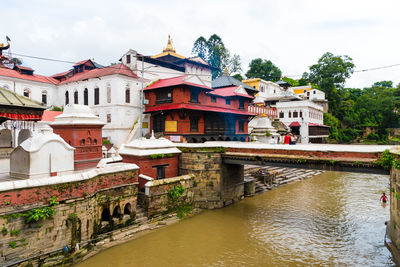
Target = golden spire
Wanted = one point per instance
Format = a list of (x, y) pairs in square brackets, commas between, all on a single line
[(226, 72), (169, 47)]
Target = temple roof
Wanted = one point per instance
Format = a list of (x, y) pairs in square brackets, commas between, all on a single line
[(168, 52), (230, 91), (180, 80), (227, 81), (9, 98), (34, 77)]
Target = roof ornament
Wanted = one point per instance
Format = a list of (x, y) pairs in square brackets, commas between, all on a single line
[(226, 72), (169, 47)]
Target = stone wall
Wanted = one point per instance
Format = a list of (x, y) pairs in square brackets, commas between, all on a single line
[(393, 228), (215, 185), (86, 210), (159, 200)]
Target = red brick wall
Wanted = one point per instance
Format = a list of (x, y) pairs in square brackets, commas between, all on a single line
[(146, 164), (42, 194), (86, 155)]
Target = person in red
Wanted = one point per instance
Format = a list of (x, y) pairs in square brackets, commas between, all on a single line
[(383, 198), (286, 139)]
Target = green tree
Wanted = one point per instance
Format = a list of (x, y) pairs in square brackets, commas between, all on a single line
[(330, 74), (264, 69), (238, 76), (217, 55)]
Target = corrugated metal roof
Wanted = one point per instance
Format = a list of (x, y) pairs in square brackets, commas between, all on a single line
[(225, 81), (199, 107), (180, 80), (9, 98)]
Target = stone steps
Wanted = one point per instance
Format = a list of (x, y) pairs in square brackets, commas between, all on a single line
[(141, 215)]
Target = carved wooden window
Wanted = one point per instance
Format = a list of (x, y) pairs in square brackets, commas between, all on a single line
[(213, 99), (241, 103), (163, 96), (27, 92), (241, 126), (194, 96), (128, 59), (194, 124), (228, 101)]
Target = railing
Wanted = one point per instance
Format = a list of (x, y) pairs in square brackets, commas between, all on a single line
[(269, 112)]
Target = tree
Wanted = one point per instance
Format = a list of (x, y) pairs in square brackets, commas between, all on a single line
[(330, 74), (238, 77), (217, 55), (264, 69)]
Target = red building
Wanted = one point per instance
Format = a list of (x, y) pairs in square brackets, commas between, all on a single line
[(184, 109)]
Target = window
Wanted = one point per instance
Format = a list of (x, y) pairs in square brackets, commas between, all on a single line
[(160, 171), (194, 124), (295, 114), (108, 93), (227, 101), (86, 97), (262, 88), (128, 59), (308, 93), (76, 97), (281, 115), (301, 114), (108, 118), (96, 96), (66, 98), (163, 96), (213, 99), (127, 94), (26, 92), (241, 103), (314, 92), (241, 126), (194, 96), (44, 97), (290, 114)]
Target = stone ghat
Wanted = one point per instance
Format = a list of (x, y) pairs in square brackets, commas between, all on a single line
[(269, 177)]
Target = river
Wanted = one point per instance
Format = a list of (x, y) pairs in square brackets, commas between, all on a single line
[(333, 219)]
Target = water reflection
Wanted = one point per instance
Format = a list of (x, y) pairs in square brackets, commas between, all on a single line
[(334, 219)]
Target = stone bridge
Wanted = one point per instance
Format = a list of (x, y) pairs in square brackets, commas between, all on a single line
[(218, 166)]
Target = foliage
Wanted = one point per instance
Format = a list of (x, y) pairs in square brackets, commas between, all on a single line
[(12, 244), (106, 142), (160, 156), (217, 55), (264, 69), (330, 74), (386, 160), (39, 214), (15, 232), (55, 108), (4, 230), (238, 76), (183, 210), (176, 192)]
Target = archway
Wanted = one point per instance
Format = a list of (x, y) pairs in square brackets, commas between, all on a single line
[(117, 212), (127, 209), (105, 215), (23, 135), (212, 139), (5, 138)]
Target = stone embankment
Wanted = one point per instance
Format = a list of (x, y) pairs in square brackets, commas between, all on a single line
[(269, 177)]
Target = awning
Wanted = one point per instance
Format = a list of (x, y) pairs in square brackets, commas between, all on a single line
[(24, 117), (294, 124), (318, 125)]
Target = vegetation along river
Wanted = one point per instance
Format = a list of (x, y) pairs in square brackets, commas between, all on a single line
[(333, 219)]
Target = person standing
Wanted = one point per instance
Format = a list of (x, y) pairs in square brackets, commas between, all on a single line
[(384, 198)]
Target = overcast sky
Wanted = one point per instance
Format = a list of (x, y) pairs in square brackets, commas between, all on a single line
[(293, 34)]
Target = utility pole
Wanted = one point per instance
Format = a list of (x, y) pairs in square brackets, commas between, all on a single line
[(141, 101)]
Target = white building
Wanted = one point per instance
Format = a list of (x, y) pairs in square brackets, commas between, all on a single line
[(113, 92), (305, 119), (309, 93)]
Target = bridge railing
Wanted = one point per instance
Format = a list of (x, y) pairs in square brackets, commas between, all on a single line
[(259, 110)]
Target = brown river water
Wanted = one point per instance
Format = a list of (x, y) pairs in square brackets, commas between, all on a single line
[(333, 219)]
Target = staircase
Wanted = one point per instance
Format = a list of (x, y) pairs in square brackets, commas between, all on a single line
[(141, 215)]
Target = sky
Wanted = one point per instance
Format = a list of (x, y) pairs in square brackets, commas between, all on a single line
[(293, 34)]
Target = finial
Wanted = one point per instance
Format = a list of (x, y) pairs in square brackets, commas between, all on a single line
[(169, 47), (226, 72)]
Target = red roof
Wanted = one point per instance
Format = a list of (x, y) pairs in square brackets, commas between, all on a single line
[(199, 107), (49, 115), (99, 72), (174, 81), (23, 68), (228, 91), (34, 77), (82, 62), (320, 125), (61, 74), (294, 124)]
